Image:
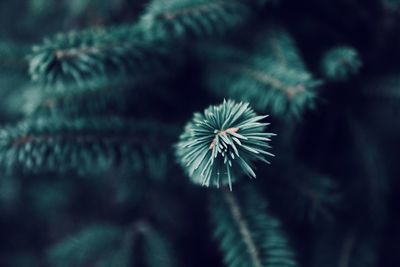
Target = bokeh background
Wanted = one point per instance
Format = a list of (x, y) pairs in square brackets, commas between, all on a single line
[(352, 135)]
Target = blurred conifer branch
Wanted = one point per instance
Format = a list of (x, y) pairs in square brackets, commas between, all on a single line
[(81, 146), (269, 74)]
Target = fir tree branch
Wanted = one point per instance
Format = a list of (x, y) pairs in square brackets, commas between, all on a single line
[(195, 8), (177, 19), (248, 235), (110, 245), (97, 98), (283, 47), (243, 228), (340, 63), (96, 54), (54, 145), (269, 74), (265, 78)]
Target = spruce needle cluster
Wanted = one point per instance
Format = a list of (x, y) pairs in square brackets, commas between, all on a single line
[(222, 144)]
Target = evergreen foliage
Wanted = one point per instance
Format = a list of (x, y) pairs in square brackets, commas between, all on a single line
[(269, 74), (248, 235), (95, 98), (339, 63), (80, 56), (51, 145), (221, 144), (86, 246), (108, 245), (102, 145), (157, 251), (193, 18)]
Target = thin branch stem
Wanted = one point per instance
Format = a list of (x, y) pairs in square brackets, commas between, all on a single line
[(243, 228)]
